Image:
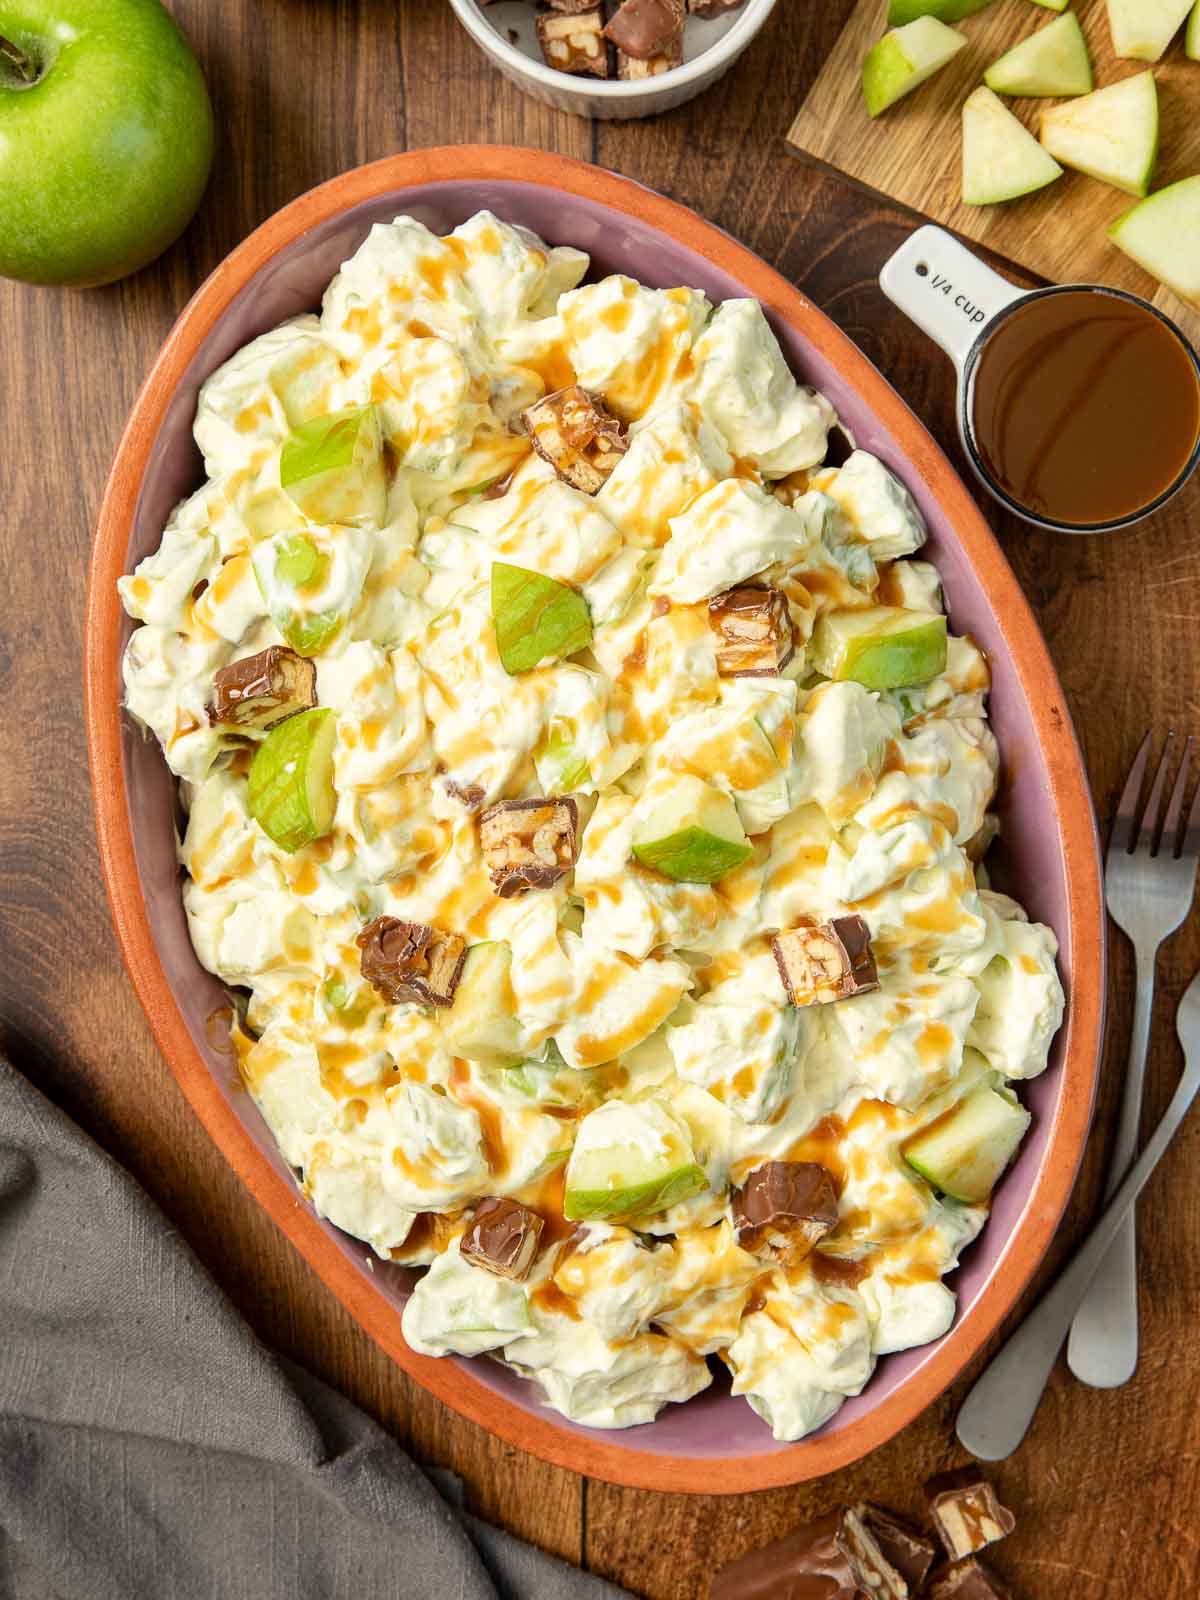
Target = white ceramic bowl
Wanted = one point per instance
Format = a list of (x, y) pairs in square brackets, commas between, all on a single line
[(711, 46)]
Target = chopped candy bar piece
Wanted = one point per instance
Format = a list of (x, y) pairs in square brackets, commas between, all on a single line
[(911, 1553), (570, 8), (410, 961), (830, 962), (840, 1556), (632, 68), (259, 691), (502, 1238), (784, 1208), (713, 8), (966, 1512), (754, 632), (967, 1580), (574, 41), (574, 432), (647, 29), (528, 844), (469, 795)]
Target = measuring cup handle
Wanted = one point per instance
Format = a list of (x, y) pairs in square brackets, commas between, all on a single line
[(945, 290)]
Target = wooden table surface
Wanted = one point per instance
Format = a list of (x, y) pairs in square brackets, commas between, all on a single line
[(1107, 1483)]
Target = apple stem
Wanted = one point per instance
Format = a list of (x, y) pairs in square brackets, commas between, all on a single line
[(18, 60)]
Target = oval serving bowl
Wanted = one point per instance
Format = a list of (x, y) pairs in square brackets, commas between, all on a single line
[(1050, 861)]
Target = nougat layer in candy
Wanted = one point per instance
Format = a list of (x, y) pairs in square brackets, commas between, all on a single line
[(753, 632), (966, 1512), (832, 961), (262, 690), (411, 961), (502, 1238), (577, 435), (841, 1556), (528, 844)]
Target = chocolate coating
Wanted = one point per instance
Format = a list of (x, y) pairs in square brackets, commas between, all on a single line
[(783, 1208), (646, 28), (837, 1557), (966, 1512), (832, 961), (529, 844), (410, 961), (502, 1238), (263, 690), (968, 1580)]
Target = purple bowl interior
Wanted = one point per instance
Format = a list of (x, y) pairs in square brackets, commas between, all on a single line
[(715, 1424)]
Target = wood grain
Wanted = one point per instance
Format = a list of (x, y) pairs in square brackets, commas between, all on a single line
[(912, 153), (1107, 1483)]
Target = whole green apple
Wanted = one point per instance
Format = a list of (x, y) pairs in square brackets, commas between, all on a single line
[(106, 136)]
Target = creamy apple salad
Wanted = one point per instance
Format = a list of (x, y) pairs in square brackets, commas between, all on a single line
[(585, 801)]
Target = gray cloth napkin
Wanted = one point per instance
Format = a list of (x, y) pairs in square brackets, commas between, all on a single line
[(152, 1449)]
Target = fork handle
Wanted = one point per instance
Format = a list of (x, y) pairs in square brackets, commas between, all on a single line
[(1103, 1347)]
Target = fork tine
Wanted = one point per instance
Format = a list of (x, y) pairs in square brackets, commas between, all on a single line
[(1189, 846), (1171, 830), (1146, 834), (1122, 830)]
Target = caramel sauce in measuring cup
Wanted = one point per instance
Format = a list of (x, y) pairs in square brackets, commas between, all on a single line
[(1078, 405)]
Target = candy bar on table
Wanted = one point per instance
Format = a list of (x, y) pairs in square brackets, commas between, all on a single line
[(966, 1512), (857, 1553), (528, 844), (573, 41), (262, 690), (753, 632), (502, 1238), (967, 1580), (783, 1208), (577, 435), (410, 961), (831, 961)]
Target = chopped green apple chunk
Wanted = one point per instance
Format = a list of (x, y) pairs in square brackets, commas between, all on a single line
[(1111, 134), (290, 789), (1001, 158), (292, 572), (1162, 234), (965, 1150), (559, 766), (1052, 61), (904, 58), (332, 468), (1142, 29), (881, 647), (630, 1159), (482, 1023), (901, 12), (536, 618), (692, 833), (347, 1003)]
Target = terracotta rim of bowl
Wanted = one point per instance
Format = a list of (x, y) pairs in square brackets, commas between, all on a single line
[(596, 1456)]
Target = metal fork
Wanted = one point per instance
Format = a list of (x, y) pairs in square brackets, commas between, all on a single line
[(1150, 881), (999, 1409)]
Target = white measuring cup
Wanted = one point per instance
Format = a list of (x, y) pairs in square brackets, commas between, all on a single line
[(959, 302)]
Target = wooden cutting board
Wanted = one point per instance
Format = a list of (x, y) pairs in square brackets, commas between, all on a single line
[(912, 153)]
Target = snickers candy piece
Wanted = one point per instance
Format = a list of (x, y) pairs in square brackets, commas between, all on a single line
[(634, 68), (966, 1512), (753, 632), (647, 29), (967, 1580), (528, 844), (469, 795), (502, 1238), (574, 41), (713, 8), (912, 1554), (577, 435), (837, 1557), (832, 961), (570, 8), (784, 1208), (261, 690), (410, 961)]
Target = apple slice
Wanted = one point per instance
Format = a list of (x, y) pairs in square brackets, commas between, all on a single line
[(964, 1151), (1111, 134), (1162, 234), (290, 788), (1142, 29), (482, 1023), (1001, 158), (1191, 39), (1052, 61), (881, 647), (536, 618), (905, 58), (901, 12), (692, 834), (630, 1159), (332, 468)]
